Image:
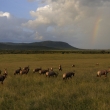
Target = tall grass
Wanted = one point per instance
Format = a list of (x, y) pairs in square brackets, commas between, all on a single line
[(84, 91)]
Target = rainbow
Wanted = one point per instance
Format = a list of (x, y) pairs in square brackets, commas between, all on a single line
[(96, 28)]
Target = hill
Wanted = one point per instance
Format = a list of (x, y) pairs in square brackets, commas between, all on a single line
[(44, 45)]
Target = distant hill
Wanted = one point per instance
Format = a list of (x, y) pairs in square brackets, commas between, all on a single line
[(44, 45)]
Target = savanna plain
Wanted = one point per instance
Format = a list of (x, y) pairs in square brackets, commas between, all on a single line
[(33, 91)]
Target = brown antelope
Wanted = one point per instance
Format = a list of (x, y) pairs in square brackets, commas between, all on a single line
[(36, 70), (51, 73), (68, 75), (2, 77), (17, 71), (24, 70), (43, 71), (102, 72)]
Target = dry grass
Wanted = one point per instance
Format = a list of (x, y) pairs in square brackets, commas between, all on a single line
[(36, 92)]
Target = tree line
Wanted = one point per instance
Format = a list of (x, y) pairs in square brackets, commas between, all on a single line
[(54, 51)]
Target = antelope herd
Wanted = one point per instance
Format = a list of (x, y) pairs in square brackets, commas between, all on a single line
[(48, 72)]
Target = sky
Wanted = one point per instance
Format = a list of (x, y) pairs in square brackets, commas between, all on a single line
[(83, 24)]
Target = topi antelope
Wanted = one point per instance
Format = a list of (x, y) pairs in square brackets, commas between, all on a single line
[(2, 77), (102, 72), (51, 73), (60, 68), (43, 71), (36, 70), (68, 75), (17, 71), (24, 70)]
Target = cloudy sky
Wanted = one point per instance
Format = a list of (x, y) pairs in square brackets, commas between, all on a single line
[(81, 23)]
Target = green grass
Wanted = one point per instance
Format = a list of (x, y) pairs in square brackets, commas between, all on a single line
[(84, 91)]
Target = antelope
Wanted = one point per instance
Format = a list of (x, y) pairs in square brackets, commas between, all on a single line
[(2, 77), (68, 75), (60, 68), (36, 70), (51, 73), (43, 71), (102, 72), (17, 71), (24, 70)]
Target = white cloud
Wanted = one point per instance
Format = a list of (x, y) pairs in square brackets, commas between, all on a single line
[(6, 14), (81, 23), (73, 21), (11, 29)]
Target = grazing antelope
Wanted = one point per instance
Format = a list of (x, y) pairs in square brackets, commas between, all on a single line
[(24, 70), (51, 73), (68, 75), (43, 71), (36, 70), (17, 71), (102, 72), (2, 78)]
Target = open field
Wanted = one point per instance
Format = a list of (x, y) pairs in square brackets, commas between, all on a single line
[(84, 91)]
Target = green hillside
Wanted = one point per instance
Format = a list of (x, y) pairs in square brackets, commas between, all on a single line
[(44, 45)]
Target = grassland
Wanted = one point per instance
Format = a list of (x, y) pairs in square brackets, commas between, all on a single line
[(84, 91)]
